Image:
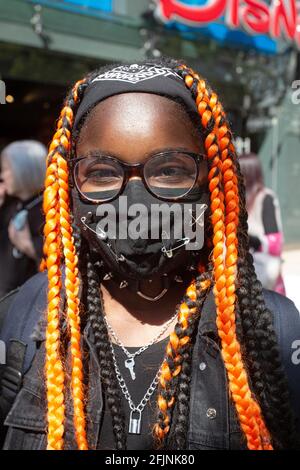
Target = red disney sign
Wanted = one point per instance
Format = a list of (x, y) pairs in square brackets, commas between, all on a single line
[(279, 19)]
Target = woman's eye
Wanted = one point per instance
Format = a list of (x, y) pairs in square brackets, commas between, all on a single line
[(101, 173), (170, 171)]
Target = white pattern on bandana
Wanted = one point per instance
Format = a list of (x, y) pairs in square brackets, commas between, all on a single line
[(135, 73)]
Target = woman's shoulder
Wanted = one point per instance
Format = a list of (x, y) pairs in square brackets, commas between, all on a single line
[(287, 328), (5, 303), (22, 309), (286, 321), (283, 309), (30, 288)]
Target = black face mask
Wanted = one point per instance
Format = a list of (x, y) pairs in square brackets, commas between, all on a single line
[(131, 260)]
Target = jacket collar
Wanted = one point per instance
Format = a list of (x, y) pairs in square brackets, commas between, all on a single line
[(207, 323)]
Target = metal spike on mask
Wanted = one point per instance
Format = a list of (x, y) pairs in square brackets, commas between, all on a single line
[(107, 276), (123, 284)]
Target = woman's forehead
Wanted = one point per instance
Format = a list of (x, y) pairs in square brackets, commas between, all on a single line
[(137, 119)]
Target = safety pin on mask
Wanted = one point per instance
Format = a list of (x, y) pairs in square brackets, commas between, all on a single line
[(169, 252), (195, 220), (100, 234)]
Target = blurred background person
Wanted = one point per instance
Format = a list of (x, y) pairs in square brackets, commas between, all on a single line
[(264, 225), (7, 210), (23, 166)]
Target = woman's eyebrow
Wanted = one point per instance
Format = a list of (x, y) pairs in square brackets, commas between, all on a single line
[(168, 149), (106, 153)]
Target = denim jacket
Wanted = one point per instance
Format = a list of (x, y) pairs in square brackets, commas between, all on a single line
[(212, 421)]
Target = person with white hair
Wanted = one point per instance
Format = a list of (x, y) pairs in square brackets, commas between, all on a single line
[(23, 167)]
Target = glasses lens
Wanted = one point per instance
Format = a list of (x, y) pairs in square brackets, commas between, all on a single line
[(98, 178), (171, 175)]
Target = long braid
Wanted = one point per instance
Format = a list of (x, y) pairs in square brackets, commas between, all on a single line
[(53, 365), (278, 418), (58, 231), (72, 300), (257, 322), (102, 345), (232, 218), (248, 410), (179, 344), (238, 216), (284, 430), (183, 387)]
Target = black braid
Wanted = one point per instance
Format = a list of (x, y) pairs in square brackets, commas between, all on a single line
[(183, 401), (170, 391), (246, 304), (179, 440), (180, 385), (102, 345)]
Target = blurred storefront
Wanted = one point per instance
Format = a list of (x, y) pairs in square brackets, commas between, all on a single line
[(45, 46), (249, 54)]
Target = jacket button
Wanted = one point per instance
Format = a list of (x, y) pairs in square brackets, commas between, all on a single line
[(202, 366), (211, 413)]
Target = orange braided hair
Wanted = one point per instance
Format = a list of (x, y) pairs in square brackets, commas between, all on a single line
[(217, 144), (53, 365), (59, 241)]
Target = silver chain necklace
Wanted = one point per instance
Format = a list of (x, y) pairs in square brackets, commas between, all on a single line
[(130, 362), (134, 422)]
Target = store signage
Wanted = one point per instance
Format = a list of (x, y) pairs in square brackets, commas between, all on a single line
[(279, 19), (78, 6), (104, 5)]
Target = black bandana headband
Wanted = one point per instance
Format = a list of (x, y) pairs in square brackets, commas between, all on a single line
[(135, 78)]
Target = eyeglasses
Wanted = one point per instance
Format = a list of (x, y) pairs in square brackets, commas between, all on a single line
[(167, 175)]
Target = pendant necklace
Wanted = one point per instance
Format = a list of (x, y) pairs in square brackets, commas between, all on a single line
[(135, 418), (130, 361)]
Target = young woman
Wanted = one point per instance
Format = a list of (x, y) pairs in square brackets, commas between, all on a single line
[(143, 343)]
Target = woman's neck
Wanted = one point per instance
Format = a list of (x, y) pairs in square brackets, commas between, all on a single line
[(137, 321)]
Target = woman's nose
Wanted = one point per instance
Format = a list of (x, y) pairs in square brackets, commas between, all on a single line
[(135, 174), (133, 178)]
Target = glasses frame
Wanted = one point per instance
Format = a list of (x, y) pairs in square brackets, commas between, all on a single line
[(138, 170)]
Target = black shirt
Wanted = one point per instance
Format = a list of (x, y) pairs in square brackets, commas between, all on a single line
[(146, 367)]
